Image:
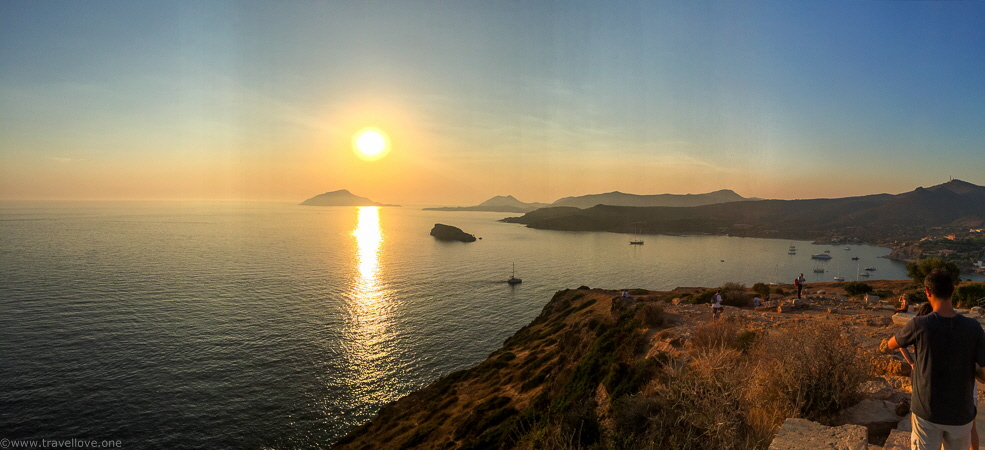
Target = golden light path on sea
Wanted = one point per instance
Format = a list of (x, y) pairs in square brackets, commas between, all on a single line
[(368, 298), (367, 335)]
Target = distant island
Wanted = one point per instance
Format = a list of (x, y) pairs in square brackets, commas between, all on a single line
[(499, 203), (340, 198), (509, 203), (951, 209)]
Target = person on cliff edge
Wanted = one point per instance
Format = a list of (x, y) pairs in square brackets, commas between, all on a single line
[(950, 350), (799, 282)]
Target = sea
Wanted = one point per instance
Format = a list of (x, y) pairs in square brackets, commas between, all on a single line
[(278, 326)]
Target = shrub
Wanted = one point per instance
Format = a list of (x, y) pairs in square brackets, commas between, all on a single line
[(696, 407), (811, 373), (854, 288), (651, 315), (919, 270), (916, 297), (883, 293), (716, 334), (970, 295), (704, 297), (762, 289)]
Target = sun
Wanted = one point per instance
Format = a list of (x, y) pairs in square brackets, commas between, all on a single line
[(370, 144)]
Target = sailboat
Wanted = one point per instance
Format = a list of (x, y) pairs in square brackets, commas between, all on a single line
[(637, 240), (513, 279)]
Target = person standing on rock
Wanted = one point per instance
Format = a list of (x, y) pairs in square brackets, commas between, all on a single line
[(950, 348), (799, 282), (716, 305)]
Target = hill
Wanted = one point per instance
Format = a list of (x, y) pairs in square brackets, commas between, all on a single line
[(340, 198), (878, 218), (622, 199), (499, 203), (599, 370)]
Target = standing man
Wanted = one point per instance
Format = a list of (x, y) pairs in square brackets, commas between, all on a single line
[(716, 305), (949, 347), (799, 282)]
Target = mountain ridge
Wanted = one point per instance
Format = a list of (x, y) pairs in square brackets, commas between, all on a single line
[(509, 203), (868, 218)]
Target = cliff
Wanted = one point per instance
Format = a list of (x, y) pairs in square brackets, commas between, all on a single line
[(340, 198), (598, 370), (449, 233)]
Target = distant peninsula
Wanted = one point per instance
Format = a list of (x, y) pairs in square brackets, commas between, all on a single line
[(509, 203), (952, 208), (341, 198), (499, 203), (617, 198)]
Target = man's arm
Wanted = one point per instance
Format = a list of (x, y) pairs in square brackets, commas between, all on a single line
[(892, 344), (909, 359)]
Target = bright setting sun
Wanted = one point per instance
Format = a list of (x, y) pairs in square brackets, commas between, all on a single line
[(370, 144)]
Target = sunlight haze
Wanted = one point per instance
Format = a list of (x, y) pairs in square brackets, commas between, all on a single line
[(541, 100)]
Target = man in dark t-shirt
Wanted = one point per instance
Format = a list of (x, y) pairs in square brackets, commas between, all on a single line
[(950, 348)]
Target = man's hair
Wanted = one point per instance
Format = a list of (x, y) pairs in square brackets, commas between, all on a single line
[(940, 284)]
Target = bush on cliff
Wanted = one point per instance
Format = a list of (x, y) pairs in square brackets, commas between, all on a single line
[(811, 372), (918, 270), (970, 295), (854, 288), (717, 396), (762, 289)]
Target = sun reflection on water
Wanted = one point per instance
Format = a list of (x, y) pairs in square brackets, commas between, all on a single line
[(367, 335)]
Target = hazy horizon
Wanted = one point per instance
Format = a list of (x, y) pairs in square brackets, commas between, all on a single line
[(259, 101)]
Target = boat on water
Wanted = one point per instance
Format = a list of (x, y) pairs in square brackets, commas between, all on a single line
[(854, 258), (864, 274), (513, 279), (870, 269), (639, 242), (818, 269), (820, 256), (839, 278)]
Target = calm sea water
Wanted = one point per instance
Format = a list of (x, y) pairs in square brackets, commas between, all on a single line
[(237, 325)]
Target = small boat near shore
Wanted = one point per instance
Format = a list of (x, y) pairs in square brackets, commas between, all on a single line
[(820, 256)]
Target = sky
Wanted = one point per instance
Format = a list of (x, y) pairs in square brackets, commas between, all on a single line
[(258, 100)]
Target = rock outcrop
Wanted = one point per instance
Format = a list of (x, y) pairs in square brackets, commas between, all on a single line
[(444, 232), (802, 434)]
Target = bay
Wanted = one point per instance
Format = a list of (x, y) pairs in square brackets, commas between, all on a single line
[(267, 325)]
